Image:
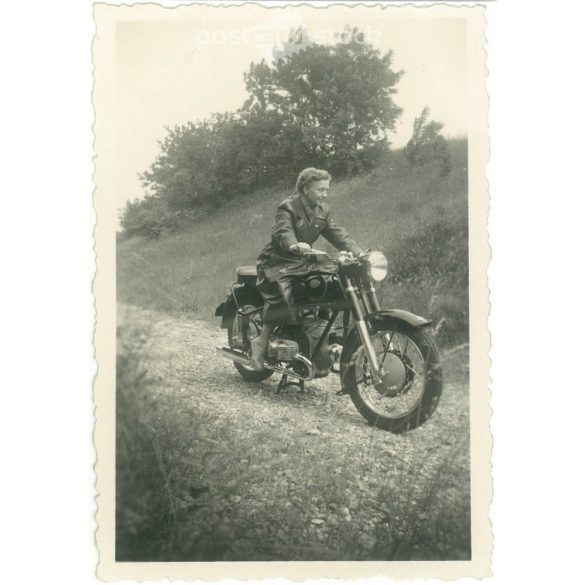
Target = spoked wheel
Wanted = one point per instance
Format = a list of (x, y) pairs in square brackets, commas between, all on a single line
[(412, 381), (255, 326)]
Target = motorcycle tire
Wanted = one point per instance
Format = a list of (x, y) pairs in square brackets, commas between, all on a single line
[(249, 374), (417, 368)]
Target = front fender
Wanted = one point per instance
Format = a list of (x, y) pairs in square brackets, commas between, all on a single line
[(378, 319)]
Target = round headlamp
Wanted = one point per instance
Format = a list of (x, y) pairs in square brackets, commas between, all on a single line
[(377, 266)]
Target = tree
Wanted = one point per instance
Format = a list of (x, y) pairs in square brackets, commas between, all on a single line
[(338, 99), (427, 144), (193, 168)]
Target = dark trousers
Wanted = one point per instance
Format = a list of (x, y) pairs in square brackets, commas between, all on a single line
[(278, 300)]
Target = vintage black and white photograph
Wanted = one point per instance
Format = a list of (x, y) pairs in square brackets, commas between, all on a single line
[(291, 295)]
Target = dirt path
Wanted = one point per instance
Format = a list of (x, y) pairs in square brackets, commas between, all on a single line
[(300, 476)]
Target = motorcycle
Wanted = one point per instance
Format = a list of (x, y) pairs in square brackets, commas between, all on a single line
[(386, 358)]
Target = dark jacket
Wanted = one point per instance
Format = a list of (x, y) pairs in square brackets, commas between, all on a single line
[(297, 222)]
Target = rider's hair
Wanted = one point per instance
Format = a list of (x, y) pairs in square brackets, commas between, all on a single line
[(308, 175)]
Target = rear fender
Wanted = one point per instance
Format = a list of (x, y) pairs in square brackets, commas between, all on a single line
[(240, 295)]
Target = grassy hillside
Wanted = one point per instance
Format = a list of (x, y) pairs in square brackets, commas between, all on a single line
[(417, 218)]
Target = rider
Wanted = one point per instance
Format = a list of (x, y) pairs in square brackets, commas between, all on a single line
[(300, 220)]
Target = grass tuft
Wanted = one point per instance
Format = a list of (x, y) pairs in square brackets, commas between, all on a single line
[(154, 486)]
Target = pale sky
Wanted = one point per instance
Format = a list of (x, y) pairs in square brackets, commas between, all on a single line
[(179, 68)]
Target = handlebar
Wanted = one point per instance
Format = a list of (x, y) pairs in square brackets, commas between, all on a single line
[(314, 252)]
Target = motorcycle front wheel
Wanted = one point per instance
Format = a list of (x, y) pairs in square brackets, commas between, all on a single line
[(412, 383), (255, 326)]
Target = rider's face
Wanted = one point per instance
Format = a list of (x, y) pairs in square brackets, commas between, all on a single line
[(316, 192)]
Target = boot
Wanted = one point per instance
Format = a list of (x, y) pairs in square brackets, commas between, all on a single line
[(257, 357)]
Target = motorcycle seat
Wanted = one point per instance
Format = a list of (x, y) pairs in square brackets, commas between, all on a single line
[(247, 274)]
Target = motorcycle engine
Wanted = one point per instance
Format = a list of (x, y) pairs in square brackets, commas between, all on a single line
[(328, 354), (303, 338), (284, 350)]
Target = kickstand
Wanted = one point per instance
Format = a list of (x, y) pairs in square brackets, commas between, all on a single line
[(284, 383)]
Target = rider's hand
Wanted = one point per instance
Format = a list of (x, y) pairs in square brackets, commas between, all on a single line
[(300, 248)]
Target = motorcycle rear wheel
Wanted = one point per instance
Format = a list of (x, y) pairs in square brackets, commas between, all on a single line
[(411, 360), (249, 374)]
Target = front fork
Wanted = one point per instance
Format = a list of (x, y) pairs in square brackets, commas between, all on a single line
[(371, 300), (376, 370)]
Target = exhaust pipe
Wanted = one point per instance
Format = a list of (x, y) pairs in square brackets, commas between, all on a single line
[(289, 372), (241, 358), (235, 355)]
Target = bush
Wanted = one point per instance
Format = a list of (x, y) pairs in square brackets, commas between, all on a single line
[(427, 144), (151, 217), (438, 250), (152, 486), (431, 266), (139, 514)]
